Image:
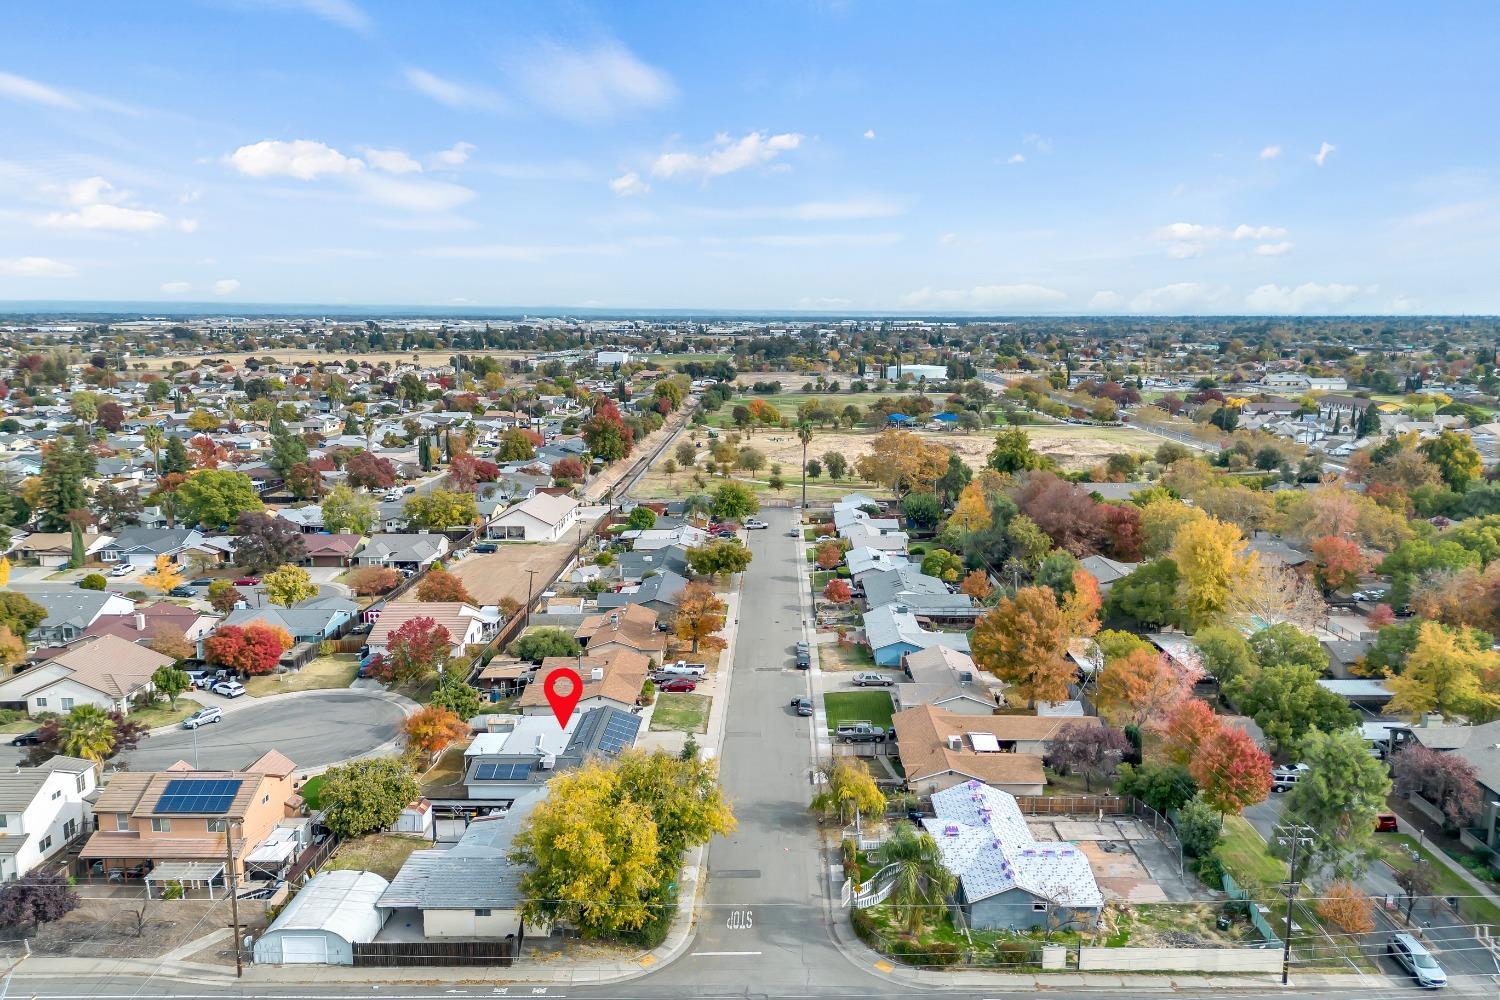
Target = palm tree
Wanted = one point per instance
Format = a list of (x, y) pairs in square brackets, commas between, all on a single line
[(698, 503), (86, 732), (914, 868), (155, 439), (805, 435)]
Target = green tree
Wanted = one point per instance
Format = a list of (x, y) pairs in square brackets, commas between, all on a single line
[(1289, 705), (1162, 786), (1283, 643), (94, 581), (176, 459), (1013, 452), (718, 557), (921, 510), (215, 498), (456, 695), (942, 564), (20, 613), (1339, 798), (1225, 653), (366, 796), (836, 464), (345, 510), (538, 644), (641, 519), (171, 682), (1147, 596), (62, 484), (1418, 556), (442, 509), (287, 585), (734, 502), (920, 882), (287, 451), (1198, 825), (1456, 458), (78, 555), (515, 446)]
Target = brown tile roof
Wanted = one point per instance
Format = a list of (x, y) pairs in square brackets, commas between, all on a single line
[(161, 615), (273, 762), (112, 665), (452, 615), (922, 736), (324, 545), (624, 673), (130, 846), (633, 625)]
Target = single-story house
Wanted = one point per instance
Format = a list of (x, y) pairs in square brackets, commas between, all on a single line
[(660, 593), (402, 551), (863, 561), (633, 566), (686, 536), (632, 627), (939, 749), (141, 546), (71, 613), (466, 624), (542, 517), (330, 550), (321, 925), (52, 549), (1007, 880), (948, 679), (612, 679), (521, 752), (1106, 570), (893, 631), (312, 620), (107, 672)]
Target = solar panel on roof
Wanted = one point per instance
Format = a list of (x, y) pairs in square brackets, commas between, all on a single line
[(198, 795), (502, 772), (619, 733)]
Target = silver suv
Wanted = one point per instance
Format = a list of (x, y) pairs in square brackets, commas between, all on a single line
[(1416, 959)]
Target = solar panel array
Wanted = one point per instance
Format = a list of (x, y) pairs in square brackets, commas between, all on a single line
[(619, 733), (502, 772), (198, 795)]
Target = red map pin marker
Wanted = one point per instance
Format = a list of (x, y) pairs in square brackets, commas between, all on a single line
[(563, 702)]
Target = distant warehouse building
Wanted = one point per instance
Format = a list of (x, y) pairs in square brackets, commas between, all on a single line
[(931, 373), (322, 924)]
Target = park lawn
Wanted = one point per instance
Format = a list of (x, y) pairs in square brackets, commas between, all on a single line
[(381, 853), (312, 792), (687, 713), (858, 706), (1247, 857), (164, 715), (335, 671), (1474, 908)]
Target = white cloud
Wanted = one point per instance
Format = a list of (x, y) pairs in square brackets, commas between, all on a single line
[(1040, 143), (1270, 152), (1017, 158), (187, 225), (1303, 298), (592, 84), (462, 96), (1106, 300), (414, 194), (802, 240), (1404, 304), (948, 239), (875, 207), (1321, 156), (1258, 232), (1274, 249), (98, 205), (984, 297), (869, 133), (176, 287), (302, 159), (226, 286), (343, 13), (1185, 251), (392, 161), (26, 91), (455, 155), (1181, 296), (629, 185), (727, 156), (36, 267)]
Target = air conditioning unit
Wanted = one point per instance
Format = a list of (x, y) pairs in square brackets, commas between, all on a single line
[(548, 762), (597, 674), (955, 743)]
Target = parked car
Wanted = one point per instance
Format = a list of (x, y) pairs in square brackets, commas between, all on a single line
[(486, 548), (755, 524), (1386, 823), (859, 732), (247, 581), (1283, 778), (868, 678), (202, 678), (409, 489), (228, 689), (183, 591), (202, 581), (124, 569), (1413, 956), (1369, 595), (204, 717), (803, 706), (677, 684), (682, 668), (30, 739), (804, 659)]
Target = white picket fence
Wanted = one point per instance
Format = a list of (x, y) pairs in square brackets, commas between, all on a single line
[(875, 891)]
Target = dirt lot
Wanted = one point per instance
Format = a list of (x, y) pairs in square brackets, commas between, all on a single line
[(503, 574), (105, 928), (293, 356)]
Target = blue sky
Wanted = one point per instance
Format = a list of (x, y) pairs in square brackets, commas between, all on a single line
[(935, 157)]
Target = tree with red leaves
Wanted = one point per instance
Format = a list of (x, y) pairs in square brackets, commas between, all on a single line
[(110, 415), (304, 481), (1231, 771), (1189, 726), (1448, 782), (254, 649), (568, 470), (367, 581), (1092, 751), (1339, 562), (206, 452), (838, 591), (370, 472), (465, 472), (1065, 511), (829, 555), (606, 433), (1123, 537), (415, 650)]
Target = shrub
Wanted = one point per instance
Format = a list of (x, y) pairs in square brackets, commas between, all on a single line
[(1210, 868), (94, 581), (327, 647), (1014, 953), (648, 693)]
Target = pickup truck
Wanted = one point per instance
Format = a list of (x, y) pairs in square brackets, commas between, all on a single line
[(682, 668), (859, 732)]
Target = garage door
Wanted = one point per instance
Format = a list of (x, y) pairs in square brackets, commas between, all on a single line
[(304, 949)]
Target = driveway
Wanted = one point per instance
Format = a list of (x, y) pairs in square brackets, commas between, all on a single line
[(314, 729)]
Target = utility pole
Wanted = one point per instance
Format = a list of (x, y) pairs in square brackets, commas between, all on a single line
[(1296, 838), (530, 575), (234, 894)]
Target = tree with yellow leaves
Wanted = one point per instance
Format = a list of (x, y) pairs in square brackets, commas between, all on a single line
[(1444, 675), (166, 576), (1160, 522), (12, 649), (1024, 642), (900, 461), (1212, 565), (4, 570), (971, 513), (700, 613)]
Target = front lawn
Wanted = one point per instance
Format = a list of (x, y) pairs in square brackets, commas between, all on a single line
[(848, 656), (1475, 908), (858, 706), (325, 672), (163, 714), (685, 712), (381, 853)]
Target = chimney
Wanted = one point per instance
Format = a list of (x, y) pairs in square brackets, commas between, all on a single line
[(140, 621)]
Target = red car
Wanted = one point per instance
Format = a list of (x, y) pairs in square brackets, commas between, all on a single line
[(246, 581), (677, 684)]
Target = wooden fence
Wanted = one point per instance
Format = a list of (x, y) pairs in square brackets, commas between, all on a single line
[(1073, 805), (417, 953)]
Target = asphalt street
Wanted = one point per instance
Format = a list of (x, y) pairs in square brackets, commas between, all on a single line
[(313, 729)]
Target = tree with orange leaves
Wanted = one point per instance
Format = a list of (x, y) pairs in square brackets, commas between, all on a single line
[(1024, 642), (700, 613), (1231, 771), (1339, 561), (1187, 728), (1080, 609), (828, 555), (977, 585), (432, 729), (1347, 907), (1138, 687), (838, 591)]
